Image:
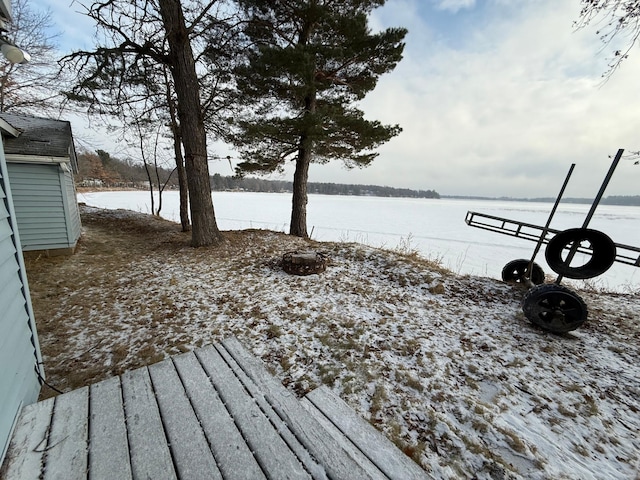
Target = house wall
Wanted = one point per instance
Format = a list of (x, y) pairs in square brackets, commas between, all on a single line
[(74, 227), (46, 206), (19, 348)]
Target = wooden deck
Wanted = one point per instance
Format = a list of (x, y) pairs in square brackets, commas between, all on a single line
[(215, 413)]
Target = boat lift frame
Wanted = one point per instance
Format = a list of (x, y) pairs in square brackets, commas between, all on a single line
[(553, 306), (624, 253)]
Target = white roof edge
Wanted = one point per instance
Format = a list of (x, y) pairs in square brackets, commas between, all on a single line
[(7, 128), (16, 158), (5, 10)]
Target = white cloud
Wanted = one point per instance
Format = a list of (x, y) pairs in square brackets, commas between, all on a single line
[(76, 29), (508, 115), (454, 5)]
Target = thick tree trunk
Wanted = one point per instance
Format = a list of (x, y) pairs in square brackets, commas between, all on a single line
[(205, 230), (298, 225)]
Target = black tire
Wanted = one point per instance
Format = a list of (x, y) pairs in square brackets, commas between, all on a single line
[(554, 308), (603, 253), (516, 271)]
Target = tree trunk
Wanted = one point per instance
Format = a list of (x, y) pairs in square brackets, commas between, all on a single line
[(298, 225), (205, 230), (160, 186), (146, 167), (177, 150), (182, 183), (150, 180)]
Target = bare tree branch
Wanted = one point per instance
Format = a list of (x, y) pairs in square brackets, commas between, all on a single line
[(620, 27)]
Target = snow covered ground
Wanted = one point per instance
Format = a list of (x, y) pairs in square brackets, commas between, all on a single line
[(446, 366)]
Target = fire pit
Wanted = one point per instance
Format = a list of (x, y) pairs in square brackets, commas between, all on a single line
[(304, 263)]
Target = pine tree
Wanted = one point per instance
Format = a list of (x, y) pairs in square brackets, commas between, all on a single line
[(307, 65)]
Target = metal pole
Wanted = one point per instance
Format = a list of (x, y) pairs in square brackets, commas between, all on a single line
[(545, 230), (603, 187), (596, 202)]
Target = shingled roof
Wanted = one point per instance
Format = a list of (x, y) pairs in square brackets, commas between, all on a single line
[(41, 137)]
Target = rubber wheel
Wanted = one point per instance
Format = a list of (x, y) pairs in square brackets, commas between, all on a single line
[(554, 308), (603, 253), (516, 270)]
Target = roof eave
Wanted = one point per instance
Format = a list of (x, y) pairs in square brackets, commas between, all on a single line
[(8, 129), (41, 159)]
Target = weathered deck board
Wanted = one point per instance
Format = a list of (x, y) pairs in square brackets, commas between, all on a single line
[(29, 442), (108, 442), (353, 451), (384, 454), (215, 413), (150, 456), (67, 449), (311, 465), (306, 428), (235, 460), (191, 453), (271, 451)]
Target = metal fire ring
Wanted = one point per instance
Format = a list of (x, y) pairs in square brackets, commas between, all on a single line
[(304, 263)]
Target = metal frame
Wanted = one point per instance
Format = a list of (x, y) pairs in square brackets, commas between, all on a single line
[(541, 236), (624, 253)]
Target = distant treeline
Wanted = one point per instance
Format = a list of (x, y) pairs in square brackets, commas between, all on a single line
[(101, 170), (228, 183), (632, 200)]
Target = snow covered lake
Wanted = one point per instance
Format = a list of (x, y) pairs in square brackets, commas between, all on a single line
[(434, 228)]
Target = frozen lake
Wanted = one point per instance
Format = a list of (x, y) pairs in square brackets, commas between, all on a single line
[(435, 228)]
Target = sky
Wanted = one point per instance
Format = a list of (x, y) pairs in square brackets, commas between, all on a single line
[(495, 98)]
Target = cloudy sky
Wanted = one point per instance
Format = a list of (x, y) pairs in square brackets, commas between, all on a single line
[(495, 98)]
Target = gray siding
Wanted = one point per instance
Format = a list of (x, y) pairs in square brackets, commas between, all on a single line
[(19, 350), (46, 207)]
